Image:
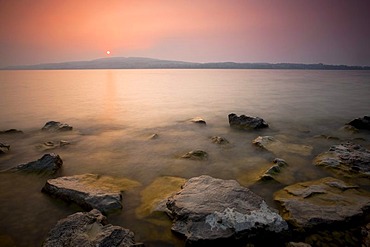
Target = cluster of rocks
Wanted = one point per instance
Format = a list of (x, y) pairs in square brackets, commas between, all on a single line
[(207, 210)]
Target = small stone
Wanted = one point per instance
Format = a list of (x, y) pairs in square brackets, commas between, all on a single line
[(47, 164), (198, 120), (246, 122), (219, 140), (277, 147), (361, 123), (11, 131), (56, 126), (4, 148), (196, 155), (153, 137)]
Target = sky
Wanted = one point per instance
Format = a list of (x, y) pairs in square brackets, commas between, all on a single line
[(273, 31)]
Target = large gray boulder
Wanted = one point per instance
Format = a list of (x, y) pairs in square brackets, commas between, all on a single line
[(246, 122), (322, 202), (90, 190), (347, 159), (53, 126), (208, 209), (47, 164), (88, 229)]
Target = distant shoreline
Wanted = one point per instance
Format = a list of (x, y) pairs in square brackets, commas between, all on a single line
[(150, 63)]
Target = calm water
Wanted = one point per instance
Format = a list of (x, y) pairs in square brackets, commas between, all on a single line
[(114, 112)]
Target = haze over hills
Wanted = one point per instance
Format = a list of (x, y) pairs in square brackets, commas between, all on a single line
[(150, 63)]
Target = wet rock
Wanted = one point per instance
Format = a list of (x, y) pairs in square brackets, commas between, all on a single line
[(153, 137), (56, 126), (273, 170), (87, 229), (196, 155), (198, 120), (277, 147), (52, 145), (326, 137), (208, 209), (11, 131), (47, 164), (4, 148), (219, 140), (154, 196), (246, 122), (322, 202), (365, 231), (348, 159), (297, 244), (90, 190), (361, 123)]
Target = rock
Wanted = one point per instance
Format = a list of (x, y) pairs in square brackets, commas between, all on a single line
[(219, 140), (153, 137), (56, 126), (365, 230), (87, 229), (11, 131), (246, 122), (196, 155), (47, 164), (348, 159), (273, 170), (322, 202), (297, 244), (361, 123), (209, 209), (52, 145), (90, 190), (154, 196), (277, 147), (198, 120), (4, 148)]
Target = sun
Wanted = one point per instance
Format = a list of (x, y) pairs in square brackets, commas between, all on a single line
[(108, 53)]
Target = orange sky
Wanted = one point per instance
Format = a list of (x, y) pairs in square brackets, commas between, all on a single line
[(328, 31)]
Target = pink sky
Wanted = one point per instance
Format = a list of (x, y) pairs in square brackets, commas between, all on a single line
[(298, 31)]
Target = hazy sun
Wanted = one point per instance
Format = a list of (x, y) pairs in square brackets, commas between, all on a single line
[(108, 52)]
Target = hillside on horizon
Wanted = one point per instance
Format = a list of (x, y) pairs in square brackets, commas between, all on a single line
[(151, 63)]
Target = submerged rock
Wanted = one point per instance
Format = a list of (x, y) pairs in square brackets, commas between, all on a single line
[(361, 123), (52, 145), (87, 229), (153, 137), (11, 131), (47, 164), (56, 126), (322, 202), (246, 122), (154, 196), (277, 147), (219, 140), (90, 190), (196, 155), (209, 209), (4, 148), (347, 159), (198, 120), (273, 170)]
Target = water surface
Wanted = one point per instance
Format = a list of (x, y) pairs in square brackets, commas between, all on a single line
[(114, 112)]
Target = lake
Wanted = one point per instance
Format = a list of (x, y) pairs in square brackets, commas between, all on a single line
[(114, 113)]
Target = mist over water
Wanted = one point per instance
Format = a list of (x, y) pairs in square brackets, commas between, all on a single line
[(114, 113)]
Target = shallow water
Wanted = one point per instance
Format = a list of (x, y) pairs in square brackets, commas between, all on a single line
[(114, 112)]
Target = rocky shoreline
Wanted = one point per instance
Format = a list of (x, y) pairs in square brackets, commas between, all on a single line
[(207, 211)]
